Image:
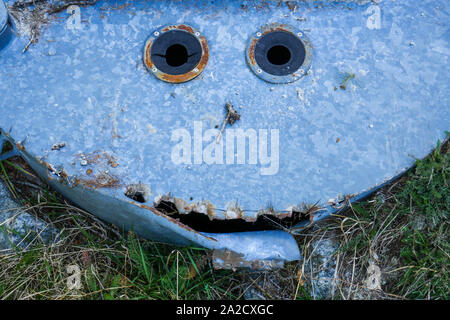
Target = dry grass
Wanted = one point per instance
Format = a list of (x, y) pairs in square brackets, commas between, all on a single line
[(113, 265)]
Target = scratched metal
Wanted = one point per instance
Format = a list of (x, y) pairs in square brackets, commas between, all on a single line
[(88, 87)]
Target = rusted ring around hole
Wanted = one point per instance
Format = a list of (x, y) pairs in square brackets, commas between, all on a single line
[(176, 54)]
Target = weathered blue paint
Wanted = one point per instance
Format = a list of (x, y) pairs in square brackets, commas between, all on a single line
[(88, 87)]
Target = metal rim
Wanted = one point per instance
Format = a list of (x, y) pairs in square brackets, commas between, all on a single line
[(176, 78), (259, 71)]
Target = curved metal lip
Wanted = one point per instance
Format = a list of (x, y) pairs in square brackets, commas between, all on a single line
[(179, 78), (259, 72)]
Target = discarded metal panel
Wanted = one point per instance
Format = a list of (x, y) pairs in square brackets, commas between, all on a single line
[(164, 159)]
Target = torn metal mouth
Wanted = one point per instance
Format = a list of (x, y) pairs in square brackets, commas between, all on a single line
[(151, 223)]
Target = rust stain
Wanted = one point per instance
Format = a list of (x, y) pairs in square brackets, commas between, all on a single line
[(271, 28), (20, 146), (63, 174), (179, 27), (147, 57), (276, 27), (179, 78), (251, 51), (262, 5), (113, 163), (52, 171), (233, 212), (97, 157), (210, 210), (291, 6), (101, 180)]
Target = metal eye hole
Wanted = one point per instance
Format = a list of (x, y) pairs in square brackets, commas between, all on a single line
[(278, 55)]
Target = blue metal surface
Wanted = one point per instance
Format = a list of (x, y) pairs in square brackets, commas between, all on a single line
[(85, 84)]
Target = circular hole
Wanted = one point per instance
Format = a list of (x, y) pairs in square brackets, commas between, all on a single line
[(278, 55), (176, 55)]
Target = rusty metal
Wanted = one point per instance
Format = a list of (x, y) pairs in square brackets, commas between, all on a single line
[(180, 78)]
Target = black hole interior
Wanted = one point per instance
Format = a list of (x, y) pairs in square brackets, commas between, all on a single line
[(176, 52), (278, 55), (176, 55)]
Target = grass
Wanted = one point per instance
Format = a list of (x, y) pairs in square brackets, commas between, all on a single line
[(402, 231), (425, 246), (113, 266)]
